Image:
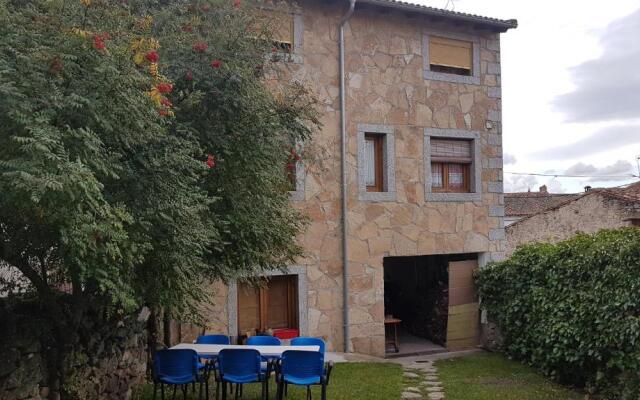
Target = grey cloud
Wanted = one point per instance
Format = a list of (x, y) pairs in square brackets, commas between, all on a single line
[(606, 173), (508, 159), (608, 138), (608, 88)]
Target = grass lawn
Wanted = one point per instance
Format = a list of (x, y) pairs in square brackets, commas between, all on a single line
[(493, 377), (349, 381)]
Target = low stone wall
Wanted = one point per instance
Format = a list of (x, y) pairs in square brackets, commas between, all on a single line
[(107, 365)]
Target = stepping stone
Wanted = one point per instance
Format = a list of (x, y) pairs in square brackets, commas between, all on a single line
[(410, 375), (436, 396), (434, 389), (412, 389), (431, 378), (432, 383), (411, 395)]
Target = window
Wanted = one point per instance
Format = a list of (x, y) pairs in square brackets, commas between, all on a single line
[(273, 306), (286, 31), (291, 169), (376, 159), (450, 165), (373, 156), (450, 56)]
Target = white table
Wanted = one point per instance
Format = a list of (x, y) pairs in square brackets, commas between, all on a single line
[(267, 351)]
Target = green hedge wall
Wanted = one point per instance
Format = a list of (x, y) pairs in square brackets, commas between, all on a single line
[(572, 309)]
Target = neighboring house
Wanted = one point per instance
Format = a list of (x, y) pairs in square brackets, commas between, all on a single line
[(521, 205), (424, 176), (590, 212)]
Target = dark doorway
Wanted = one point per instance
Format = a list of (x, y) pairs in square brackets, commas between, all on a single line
[(416, 291)]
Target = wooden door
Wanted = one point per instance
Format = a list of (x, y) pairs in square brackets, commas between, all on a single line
[(463, 327), (272, 306)]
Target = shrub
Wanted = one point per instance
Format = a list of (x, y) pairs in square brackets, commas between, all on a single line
[(572, 309)]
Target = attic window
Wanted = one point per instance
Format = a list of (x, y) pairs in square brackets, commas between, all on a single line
[(281, 27), (450, 56)]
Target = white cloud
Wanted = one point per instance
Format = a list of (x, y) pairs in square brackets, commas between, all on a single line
[(520, 183), (508, 159), (612, 172)]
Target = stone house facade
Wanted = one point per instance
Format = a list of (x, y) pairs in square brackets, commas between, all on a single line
[(391, 91), (521, 205), (594, 210)]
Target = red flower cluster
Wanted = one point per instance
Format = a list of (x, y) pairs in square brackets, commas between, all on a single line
[(206, 8), (163, 113), (152, 56), (216, 64), (211, 161), (164, 87), (200, 47), (295, 155), (166, 102), (98, 43), (236, 3)]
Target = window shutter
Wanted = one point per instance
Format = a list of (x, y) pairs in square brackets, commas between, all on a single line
[(449, 149), (280, 23), (450, 52), (370, 162)]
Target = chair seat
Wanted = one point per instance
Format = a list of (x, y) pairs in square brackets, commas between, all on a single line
[(313, 380), (176, 380), (243, 378)]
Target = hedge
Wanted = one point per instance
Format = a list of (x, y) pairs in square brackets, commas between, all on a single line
[(572, 309)]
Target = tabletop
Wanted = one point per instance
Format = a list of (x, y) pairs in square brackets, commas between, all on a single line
[(214, 349)]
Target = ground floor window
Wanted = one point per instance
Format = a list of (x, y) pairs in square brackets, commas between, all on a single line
[(272, 306)]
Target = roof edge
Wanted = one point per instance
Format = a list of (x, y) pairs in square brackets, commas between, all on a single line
[(501, 25)]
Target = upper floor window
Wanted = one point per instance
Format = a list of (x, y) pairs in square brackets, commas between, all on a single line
[(373, 156), (286, 32), (451, 165), (450, 56), (376, 163)]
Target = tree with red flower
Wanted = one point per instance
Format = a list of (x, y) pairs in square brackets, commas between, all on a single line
[(98, 43), (216, 64)]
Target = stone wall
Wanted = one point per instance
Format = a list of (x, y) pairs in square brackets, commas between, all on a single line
[(588, 214), (107, 366), (386, 85)]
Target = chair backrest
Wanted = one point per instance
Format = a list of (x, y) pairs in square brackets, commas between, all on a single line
[(239, 362), (302, 364), (180, 364), (213, 339), (309, 341), (264, 341)]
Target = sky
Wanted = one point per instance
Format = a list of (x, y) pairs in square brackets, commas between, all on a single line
[(570, 90)]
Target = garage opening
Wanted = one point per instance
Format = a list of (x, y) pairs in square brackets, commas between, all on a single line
[(270, 309), (430, 303)]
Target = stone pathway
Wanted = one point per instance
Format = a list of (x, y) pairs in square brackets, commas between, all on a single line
[(421, 381)]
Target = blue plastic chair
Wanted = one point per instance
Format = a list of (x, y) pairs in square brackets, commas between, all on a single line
[(177, 367), (264, 341), (213, 339), (309, 341), (303, 368), (241, 366)]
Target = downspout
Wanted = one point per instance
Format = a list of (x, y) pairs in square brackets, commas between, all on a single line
[(343, 167)]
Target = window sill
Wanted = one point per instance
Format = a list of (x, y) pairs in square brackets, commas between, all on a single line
[(452, 196), (377, 196), (442, 76)]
